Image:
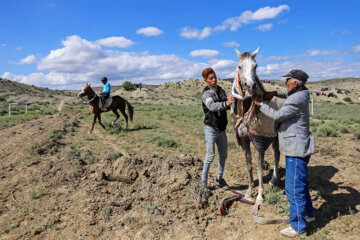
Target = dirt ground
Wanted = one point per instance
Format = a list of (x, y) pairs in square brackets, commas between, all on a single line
[(59, 182)]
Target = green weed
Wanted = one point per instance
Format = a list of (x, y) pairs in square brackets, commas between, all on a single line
[(36, 193), (14, 224), (273, 196)]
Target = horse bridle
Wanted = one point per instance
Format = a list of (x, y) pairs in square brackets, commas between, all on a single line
[(89, 101)]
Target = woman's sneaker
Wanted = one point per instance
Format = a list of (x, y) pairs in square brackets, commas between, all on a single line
[(221, 183)]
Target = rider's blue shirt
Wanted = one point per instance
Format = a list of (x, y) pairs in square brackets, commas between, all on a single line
[(107, 88)]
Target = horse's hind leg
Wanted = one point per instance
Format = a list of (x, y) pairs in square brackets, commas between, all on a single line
[(275, 146), (245, 145), (99, 117), (259, 198), (122, 110), (117, 116)]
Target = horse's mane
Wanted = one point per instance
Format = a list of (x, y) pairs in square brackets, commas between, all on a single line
[(245, 55)]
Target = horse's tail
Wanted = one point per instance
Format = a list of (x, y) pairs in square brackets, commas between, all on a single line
[(130, 110)]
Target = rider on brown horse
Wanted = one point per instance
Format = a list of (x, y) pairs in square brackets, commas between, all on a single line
[(105, 93)]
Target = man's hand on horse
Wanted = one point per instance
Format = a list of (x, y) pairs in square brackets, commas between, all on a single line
[(257, 100), (230, 100), (270, 95)]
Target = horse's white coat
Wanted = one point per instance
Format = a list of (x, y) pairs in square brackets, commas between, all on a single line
[(247, 70)]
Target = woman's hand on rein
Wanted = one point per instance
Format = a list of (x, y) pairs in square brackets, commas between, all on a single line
[(230, 100)]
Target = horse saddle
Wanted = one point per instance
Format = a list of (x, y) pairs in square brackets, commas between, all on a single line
[(107, 102)]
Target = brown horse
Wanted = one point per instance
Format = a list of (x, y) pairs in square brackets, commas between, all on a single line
[(112, 103)]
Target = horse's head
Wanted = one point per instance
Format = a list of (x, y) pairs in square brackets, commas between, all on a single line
[(247, 70), (86, 91)]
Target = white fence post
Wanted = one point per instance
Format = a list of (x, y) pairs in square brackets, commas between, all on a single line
[(10, 108), (312, 106)]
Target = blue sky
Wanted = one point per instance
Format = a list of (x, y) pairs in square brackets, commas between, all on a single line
[(65, 44)]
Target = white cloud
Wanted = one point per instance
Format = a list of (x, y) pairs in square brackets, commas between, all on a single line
[(224, 68), (283, 21), (28, 60), (191, 33), (265, 27), (309, 53), (269, 12), (277, 58), (316, 52), (356, 49), (80, 61), (234, 23), (346, 32), (149, 31), (317, 70), (248, 17), (204, 53), (119, 42), (231, 44)]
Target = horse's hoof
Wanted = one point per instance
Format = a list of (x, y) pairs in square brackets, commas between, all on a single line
[(259, 200), (89, 132), (248, 194), (272, 182)]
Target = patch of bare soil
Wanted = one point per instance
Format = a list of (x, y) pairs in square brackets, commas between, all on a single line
[(58, 182)]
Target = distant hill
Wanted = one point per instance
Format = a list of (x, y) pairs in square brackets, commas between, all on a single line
[(11, 91), (182, 92)]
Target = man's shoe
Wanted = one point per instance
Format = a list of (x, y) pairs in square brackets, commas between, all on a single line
[(221, 183), (309, 219), (103, 108), (290, 232), (204, 184)]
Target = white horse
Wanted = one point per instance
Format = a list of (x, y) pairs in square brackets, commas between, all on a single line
[(250, 86)]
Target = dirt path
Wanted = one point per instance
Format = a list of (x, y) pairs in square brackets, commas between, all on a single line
[(59, 182)]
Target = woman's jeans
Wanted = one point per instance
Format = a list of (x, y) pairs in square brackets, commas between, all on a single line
[(297, 192), (212, 137)]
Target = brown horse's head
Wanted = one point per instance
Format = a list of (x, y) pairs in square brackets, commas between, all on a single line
[(86, 91)]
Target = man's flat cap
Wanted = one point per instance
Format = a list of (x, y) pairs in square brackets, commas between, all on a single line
[(297, 74)]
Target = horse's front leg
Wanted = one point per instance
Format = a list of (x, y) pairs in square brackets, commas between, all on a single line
[(245, 145), (99, 117), (275, 146), (94, 121), (259, 198)]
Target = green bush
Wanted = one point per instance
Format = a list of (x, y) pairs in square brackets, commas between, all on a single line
[(348, 100), (163, 141), (357, 135), (327, 130), (128, 86), (344, 129)]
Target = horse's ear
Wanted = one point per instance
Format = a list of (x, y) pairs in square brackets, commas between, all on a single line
[(253, 54), (89, 84), (238, 53)]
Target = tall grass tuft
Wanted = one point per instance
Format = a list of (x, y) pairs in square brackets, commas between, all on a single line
[(328, 130)]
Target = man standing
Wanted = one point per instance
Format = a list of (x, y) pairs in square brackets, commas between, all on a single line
[(215, 103), (297, 144), (105, 93)]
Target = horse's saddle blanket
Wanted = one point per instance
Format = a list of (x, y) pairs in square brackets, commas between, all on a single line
[(108, 102), (258, 123)]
